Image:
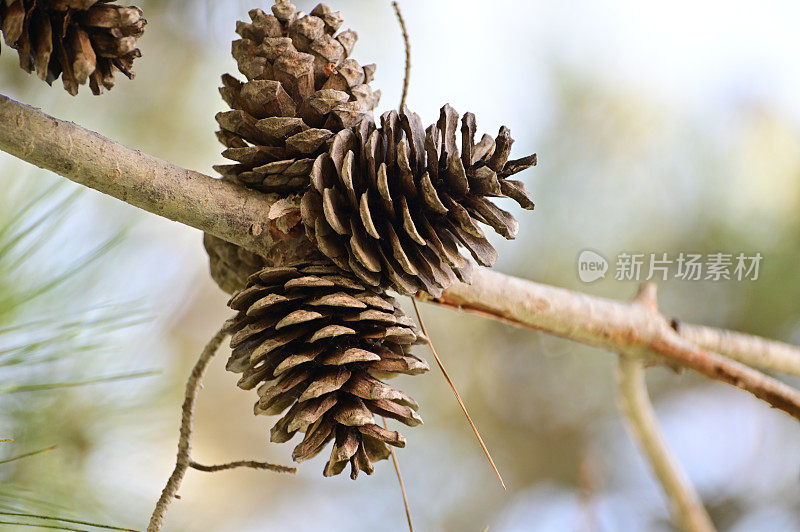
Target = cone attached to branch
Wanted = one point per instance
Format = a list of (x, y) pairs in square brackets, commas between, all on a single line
[(393, 204), (316, 341), (301, 89), (79, 40), (230, 265)]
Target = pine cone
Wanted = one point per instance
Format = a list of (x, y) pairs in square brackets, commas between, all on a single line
[(317, 341), (393, 204), (301, 88), (230, 265), (79, 40)]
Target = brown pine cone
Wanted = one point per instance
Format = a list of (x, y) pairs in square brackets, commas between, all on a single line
[(79, 40), (301, 88), (230, 265), (316, 341), (393, 204)]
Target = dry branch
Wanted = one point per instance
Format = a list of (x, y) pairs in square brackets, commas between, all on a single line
[(249, 464), (183, 459), (628, 328), (234, 213), (242, 217), (752, 350), (634, 402)]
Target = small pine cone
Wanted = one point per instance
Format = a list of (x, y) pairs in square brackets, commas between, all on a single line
[(230, 265), (79, 40), (317, 342), (393, 204), (301, 89)]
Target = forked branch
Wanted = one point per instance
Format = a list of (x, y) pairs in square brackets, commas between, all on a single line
[(184, 461)]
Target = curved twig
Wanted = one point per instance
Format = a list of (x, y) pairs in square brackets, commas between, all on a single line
[(185, 441), (251, 464), (634, 402), (407, 45)]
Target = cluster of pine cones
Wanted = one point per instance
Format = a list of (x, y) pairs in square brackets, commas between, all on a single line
[(374, 208), (80, 40), (363, 209)]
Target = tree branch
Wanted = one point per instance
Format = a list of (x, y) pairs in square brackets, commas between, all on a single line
[(627, 328), (244, 218), (752, 350), (223, 209), (634, 403)]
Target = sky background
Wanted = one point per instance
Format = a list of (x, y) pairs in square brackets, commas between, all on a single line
[(659, 129)]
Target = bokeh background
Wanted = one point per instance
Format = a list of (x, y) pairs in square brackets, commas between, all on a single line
[(660, 127)]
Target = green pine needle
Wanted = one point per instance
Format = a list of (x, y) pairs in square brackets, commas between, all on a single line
[(26, 455), (64, 520)]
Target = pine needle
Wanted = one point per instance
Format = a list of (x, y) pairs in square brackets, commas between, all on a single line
[(458, 397), (400, 480), (55, 527), (26, 455), (64, 520), (74, 384)]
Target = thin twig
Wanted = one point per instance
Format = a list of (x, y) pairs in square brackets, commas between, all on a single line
[(455, 392), (685, 505), (399, 480), (185, 441), (252, 464), (408, 53)]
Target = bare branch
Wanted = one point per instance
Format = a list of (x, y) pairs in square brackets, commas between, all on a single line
[(634, 403), (752, 350), (220, 208), (185, 441), (251, 464), (631, 329)]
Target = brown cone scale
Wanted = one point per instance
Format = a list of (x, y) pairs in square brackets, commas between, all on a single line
[(79, 40), (315, 342)]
